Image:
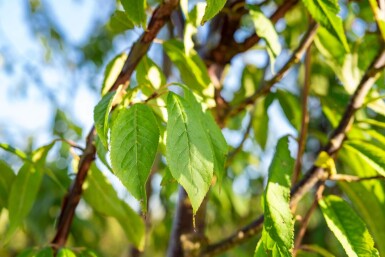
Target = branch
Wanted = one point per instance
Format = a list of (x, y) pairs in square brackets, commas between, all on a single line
[(160, 16), (315, 174), (305, 118), (267, 85), (350, 178)]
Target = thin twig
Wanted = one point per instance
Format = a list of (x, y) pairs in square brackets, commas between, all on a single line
[(315, 174), (305, 118), (351, 178), (306, 219), (160, 16), (267, 85), (71, 144)]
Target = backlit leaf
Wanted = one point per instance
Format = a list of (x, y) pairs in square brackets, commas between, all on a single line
[(119, 22), (134, 142), (348, 227), (6, 179), (188, 152), (112, 72), (212, 8), (101, 115), (135, 10)]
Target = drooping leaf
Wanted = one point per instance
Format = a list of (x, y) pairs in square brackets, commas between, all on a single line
[(101, 115), (191, 68), (348, 227), (371, 153), (6, 179), (101, 152), (134, 142), (22, 196), (188, 152), (218, 142), (264, 28), (212, 8), (326, 13), (136, 11), (278, 225), (100, 194), (46, 252), (112, 71), (65, 252), (119, 22)]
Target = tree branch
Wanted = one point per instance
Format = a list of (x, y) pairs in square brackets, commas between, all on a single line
[(267, 85), (350, 178), (160, 16), (315, 174), (304, 120)]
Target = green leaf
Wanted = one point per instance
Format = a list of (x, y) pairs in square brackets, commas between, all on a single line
[(193, 20), (192, 69), (278, 225), (101, 152), (112, 71), (149, 74), (218, 142), (326, 13), (260, 122), (188, 152), (367, 196), (6, 179), (134, 142), (372, 154), (27, 253), (348, 227), (136, 11), (46, 252), (101, 115), (87, 253), (260, 250), (119, 22), (265, 29), (22, 196), (212, 8), (65, 252), (317, 250), (100, 194)]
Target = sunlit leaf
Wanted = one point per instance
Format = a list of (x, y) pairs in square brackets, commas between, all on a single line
[(188, 152), (46, 252), (278, 226), (348, 227), (372, 154), (213, 7), (65, 252), (101, 115), (112, 72), (326, 13), (260, 122), (134, 142)]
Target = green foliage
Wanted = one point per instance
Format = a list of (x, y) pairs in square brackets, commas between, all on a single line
[(101, 115), (65, 252), (189, 155), (135, 10), (6, 179), (212, 8), (278, 226), (100, 194), (119, 22), (348, 227), (112, 72), (134, 142), (326, 13)]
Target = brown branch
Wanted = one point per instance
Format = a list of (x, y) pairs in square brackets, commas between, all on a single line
[(315, 174), (305, 118), (160, 16), (267, 85), (228, 47)]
